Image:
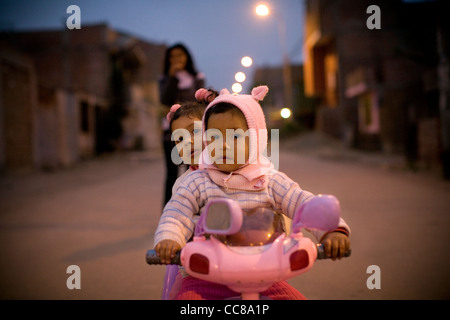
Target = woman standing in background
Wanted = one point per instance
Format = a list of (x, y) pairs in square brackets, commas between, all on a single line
[(178, 84)]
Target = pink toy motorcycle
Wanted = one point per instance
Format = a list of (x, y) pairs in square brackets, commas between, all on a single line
[(248, 251)]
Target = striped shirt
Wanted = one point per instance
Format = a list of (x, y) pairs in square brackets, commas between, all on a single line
[(177, 222)]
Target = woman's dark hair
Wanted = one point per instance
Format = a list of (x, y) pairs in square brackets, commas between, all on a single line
[(221, 107), (190, 67)]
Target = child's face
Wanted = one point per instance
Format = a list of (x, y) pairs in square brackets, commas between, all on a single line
[(232, 151), (187, 132)]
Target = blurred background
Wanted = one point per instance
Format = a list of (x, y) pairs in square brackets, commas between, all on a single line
[(70, 94), (361, 98)]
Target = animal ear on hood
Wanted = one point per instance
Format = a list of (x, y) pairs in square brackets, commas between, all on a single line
[(260, 92), (224, 91)]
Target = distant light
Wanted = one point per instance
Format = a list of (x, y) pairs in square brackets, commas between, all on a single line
[(246, 61), (236, 87), (239, 76), (285, 113), (262, 10)]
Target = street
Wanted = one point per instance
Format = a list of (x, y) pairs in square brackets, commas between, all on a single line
[(101, 215)]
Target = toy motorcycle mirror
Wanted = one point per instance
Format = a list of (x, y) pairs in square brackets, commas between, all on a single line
[(222, 217), (321, 212)]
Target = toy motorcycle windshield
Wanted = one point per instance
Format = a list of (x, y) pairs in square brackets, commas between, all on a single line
[(260, 226)]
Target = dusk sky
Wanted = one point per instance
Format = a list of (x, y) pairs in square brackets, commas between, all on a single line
[(217, 32)]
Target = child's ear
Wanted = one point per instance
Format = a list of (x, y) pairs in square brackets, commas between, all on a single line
[(260, 92)]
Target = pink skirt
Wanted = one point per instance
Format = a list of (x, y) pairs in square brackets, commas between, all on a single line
[(196, 289)]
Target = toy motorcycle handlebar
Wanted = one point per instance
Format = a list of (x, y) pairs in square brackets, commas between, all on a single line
[(153, 259), (322, 255)]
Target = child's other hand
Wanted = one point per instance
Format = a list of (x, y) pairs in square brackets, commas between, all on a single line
[(336, 245), (166, 250)]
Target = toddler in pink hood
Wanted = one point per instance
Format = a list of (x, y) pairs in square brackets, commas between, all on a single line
[(232, 165)]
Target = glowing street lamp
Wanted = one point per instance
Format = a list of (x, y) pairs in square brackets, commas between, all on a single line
[(285, 113), (262, 10), (239, 76), (246, 61), (236, 87)]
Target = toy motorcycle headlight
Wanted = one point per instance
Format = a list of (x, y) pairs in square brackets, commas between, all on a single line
[(223, 217)]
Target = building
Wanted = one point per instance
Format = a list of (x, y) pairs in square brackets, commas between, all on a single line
[(379, 88), (302, 108), (67, 94)]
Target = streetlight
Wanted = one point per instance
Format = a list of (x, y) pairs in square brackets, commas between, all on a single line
[(263, 10), (239, 76), (285, 113), (246, 61), (236, 87)]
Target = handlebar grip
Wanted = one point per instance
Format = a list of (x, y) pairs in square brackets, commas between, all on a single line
[(152, 258), (322, 255)]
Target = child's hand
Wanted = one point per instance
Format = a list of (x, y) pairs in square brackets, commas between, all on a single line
[(166, 250), (336, 244)]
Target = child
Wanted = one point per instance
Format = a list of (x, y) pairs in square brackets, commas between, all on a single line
[(245, 176), (177, 84), (185, 126)]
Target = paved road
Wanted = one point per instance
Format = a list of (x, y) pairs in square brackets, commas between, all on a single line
[(101, 215)]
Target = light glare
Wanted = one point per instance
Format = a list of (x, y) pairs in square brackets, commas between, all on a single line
[(262, 10), (246, 61), (236, 87), (285, 113), (239, 76)]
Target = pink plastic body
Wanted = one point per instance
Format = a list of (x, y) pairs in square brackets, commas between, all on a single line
[(249, 270)]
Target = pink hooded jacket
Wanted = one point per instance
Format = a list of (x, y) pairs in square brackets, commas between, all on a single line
[(252, 175)]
